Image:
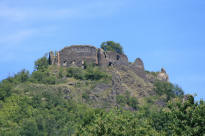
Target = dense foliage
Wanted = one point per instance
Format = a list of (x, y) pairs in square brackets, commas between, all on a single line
[(127, 99), (112, 46), (168, 89), (90, 73), (181, 118), (30, 112)]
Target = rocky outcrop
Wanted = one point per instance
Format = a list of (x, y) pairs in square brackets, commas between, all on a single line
[(138, 68), (127, 78), (139, 64), (163, 76)]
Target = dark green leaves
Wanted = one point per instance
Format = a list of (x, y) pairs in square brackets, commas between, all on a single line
[(112, 46)]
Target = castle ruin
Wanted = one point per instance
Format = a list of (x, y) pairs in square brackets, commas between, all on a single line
[(78, 55)]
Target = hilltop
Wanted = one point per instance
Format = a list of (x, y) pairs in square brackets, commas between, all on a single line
[(120, 78), (83, 90)]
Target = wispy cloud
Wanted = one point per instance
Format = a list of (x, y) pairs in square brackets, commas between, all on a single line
[(84, 10), (24, 16), (17, 37)]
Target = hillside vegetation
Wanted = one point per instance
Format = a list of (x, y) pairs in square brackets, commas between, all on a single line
[(96, 101)]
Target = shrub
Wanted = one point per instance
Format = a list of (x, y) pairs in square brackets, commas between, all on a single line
[(22, 76), (85, 95), (60, 74), (91, 73), (121, 99), (43, 77), (41, 64), (167, 88), (29, 128), (130, 101), (75, 72), (5, 89), (94, 73), (50, 80)]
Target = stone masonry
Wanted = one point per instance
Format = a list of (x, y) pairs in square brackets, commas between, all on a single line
[(78, 55)]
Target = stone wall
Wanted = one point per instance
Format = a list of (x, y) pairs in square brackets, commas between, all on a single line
[(78, 55), (111, 58), (114, 58)]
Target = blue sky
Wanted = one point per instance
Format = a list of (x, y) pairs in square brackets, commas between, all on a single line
[(164, 33)]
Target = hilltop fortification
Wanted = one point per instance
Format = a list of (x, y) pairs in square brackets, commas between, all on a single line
[(80, 55)]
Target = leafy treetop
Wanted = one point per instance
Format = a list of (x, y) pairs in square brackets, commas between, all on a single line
[(112, 46), (41, 64)]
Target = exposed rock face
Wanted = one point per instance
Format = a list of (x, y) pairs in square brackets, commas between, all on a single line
[(139, 64), (163, 75), (127, 77), (138, 68)]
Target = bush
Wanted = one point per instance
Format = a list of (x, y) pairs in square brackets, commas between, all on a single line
[(130, 101), (5, 89), (114, 123), (121, 100), (43, 77), (94, 73), (85, 95), (76, 72), (112, 46), (50, 80), (181, 118), (41, 64), (29, 128), (22, 76), (169, 89), (60, 74), (91, 73)]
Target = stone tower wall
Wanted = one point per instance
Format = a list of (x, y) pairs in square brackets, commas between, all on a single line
[(78, 55)]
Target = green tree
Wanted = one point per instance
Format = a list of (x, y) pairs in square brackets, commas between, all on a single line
[(29, 128), (112, 46), (114, 123), (169, 89), (43, 77), (181, 118), (41, 64), (22, 76), (5, 88)]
